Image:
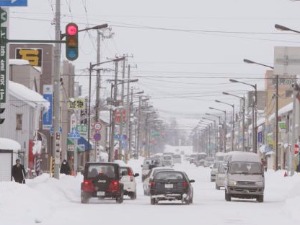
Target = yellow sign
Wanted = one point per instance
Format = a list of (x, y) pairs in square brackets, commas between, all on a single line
[(33, 55), (78, 103)]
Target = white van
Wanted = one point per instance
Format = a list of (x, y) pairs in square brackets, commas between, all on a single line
[(244, 176)]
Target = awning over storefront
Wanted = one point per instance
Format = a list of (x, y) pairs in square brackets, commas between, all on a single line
[(82, 144), (265, 149)]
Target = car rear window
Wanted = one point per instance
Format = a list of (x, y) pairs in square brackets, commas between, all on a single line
[(108, 170), (168, 175), (126, 171)]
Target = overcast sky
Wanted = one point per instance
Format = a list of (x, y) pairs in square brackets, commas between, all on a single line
[(185, 51)]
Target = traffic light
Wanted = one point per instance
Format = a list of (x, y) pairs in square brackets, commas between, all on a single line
[(1, 111), (71, 41)]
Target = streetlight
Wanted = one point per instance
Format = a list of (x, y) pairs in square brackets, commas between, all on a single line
[(217, 134), (114, 101), (283, 28), (225, 125), (254, 113), (91, 67), (232, 138), (295, 91), (205, 135), (276, 107), (243, 122)]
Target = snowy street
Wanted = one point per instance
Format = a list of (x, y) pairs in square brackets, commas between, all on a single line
[(48, 201)]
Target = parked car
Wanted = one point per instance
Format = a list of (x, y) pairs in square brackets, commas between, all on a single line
[(102, 180), (171, 185), (176, 158), (209, 161), (128, 180), (214, 171), (220, 176), (148, 164), (244, 176), (168, 160), (153, 172)]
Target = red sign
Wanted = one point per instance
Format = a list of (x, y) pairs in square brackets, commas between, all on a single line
[(296, 149), (120, 116)]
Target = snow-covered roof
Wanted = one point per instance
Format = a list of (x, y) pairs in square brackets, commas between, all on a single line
[(9, 144), (19, 62), (283, 110), (23, 62), (31, 97), (105, 116)]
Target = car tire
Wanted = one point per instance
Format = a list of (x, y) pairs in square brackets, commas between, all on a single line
[(260, 198), (146, 193), (191, 200), (227, 196), (133, 195), (153, 201), (120, 198), (84, 199)]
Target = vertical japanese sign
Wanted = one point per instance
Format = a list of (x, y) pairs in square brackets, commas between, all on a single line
[(3, 54), (47, 117)]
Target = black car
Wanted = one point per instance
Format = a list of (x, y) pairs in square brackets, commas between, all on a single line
[(102, 180), (171, 185)]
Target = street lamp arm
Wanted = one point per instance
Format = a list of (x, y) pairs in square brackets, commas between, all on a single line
[(226, 93), (237, 81), (252, 62), (232, 105), (283, 28)]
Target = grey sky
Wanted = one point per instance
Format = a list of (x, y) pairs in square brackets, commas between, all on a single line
[(185, 51)]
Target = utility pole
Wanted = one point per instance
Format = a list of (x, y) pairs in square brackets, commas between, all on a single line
[(276, 123), (121, 139), (128, 119), (113, 116), (128, 111), (56, 151), (138, 128)]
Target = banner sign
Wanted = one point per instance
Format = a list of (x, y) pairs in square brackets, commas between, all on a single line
[(47, 116), (3, 55)]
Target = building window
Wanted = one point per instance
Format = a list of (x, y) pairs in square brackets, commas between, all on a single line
[(19, 122)]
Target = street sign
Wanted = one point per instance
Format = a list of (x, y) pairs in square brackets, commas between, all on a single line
[(10, 3), (74, 134), (47, 116), (3, 55), (97, 137), (97, 126), (78, 103)]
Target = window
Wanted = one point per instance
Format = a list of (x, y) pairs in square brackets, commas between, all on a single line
[(19, 121)]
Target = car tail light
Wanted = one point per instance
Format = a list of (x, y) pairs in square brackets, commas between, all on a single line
[(87, 185), (152, 184), (185, 184), (130, 172), (114, 186)]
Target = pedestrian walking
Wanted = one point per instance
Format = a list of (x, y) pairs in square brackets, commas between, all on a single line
[(65, 167), (18, 172)]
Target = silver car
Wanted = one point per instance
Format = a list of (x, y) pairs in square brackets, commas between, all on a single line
[(220, 176), (214, 171)]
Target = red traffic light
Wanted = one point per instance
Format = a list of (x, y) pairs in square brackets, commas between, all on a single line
[(72, 41), (71, 29)]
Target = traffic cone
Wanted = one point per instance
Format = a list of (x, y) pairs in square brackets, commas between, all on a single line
[(285, 174)]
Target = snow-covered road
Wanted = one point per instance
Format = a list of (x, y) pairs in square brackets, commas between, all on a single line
[(57, 202)]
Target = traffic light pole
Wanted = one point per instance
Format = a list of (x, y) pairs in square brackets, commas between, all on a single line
[(56, 92)]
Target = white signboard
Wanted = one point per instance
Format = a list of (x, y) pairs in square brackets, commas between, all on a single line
[(286, 61)]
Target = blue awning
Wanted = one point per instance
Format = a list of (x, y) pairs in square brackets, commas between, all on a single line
[(82, 141)]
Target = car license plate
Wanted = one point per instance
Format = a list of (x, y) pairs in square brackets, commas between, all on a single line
[(100, 193), (168, 185)]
